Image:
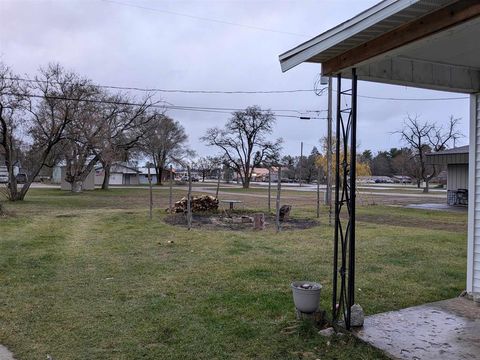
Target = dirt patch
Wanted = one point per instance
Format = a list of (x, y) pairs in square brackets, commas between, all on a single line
[(237, 220)]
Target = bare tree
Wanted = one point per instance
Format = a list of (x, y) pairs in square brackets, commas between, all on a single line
[(47, 106), (165, 141), (425, 137), (123, 122), (207, 164), (12, 112), (244, 141)]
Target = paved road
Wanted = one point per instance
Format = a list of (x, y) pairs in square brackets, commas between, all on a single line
[(439, 194)]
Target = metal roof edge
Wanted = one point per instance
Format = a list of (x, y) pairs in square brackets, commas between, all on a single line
[(335, 35)]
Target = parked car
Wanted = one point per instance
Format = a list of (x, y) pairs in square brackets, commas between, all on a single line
[(185, 178)]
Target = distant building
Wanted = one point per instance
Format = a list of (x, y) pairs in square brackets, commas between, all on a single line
[(456, 160), (120, 174), (88, 183), (143, 175)]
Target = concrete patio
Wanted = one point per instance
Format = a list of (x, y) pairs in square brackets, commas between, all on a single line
[(448, 329)]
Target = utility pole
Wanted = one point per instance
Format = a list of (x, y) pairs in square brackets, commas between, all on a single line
[(300, 164), (329, 152)]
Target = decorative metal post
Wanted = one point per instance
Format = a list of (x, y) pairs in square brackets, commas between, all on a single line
[(344, 239)]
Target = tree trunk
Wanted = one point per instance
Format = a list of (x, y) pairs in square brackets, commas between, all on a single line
[(426, 188), (106, 178), (159, 175), (12, 184), (77, 186)]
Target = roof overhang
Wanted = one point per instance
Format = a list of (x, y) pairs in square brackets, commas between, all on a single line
[(424, 43), (447, 157)]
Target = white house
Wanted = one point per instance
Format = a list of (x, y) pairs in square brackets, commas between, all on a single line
[(431, 44), (88, 183), (120, 174)]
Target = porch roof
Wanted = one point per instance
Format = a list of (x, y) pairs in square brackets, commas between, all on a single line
[(423, 43)]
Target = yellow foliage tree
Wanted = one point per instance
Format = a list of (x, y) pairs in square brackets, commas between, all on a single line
[(362, 169)]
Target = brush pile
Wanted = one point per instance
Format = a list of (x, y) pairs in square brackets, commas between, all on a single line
[(199, 204)]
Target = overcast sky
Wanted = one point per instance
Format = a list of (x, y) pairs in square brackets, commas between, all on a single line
[(172, 45)]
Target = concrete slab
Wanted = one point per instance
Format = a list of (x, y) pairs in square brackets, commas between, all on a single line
[(447, 330), (438, 207), (5, 354)]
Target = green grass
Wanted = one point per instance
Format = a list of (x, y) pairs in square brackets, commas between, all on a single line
[(90, 277)]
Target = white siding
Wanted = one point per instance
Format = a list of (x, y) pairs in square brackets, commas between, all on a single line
[(116, 179), (473, 260)]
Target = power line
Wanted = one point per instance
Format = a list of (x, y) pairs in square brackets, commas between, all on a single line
[(156, 105), (177, 90), (320, 91), (223, 22)]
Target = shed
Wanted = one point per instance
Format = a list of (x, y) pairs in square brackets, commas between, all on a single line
[(431, 44), (456, 160)]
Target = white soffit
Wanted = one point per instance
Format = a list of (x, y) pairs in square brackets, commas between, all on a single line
[(370, 24)]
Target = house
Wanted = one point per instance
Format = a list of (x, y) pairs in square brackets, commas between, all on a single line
[(143, 175), (430, 44), (261, 174), (456, 161), (120, 174)]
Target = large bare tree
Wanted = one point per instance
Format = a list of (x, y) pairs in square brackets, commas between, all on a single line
[(244, 141), (123, 121), (44, 109), (424, 137), (165, 141), (12, 112)]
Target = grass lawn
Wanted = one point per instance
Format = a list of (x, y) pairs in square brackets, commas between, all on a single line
[(89, 276)]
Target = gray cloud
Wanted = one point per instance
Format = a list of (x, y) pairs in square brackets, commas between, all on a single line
[(127, 46)]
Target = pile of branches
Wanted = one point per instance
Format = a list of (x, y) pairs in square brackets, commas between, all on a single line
[(198, 203)]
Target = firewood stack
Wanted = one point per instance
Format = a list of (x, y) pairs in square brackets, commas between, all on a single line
[(199, 203)]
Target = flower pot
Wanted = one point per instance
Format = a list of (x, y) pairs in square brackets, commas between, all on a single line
[(306, 295)]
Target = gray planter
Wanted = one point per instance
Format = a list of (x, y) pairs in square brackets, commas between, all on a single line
[(306, 295)]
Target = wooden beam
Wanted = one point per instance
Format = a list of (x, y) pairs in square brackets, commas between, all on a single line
[(449, 16)]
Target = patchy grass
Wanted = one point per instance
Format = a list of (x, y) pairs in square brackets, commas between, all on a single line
[(90, 277)]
